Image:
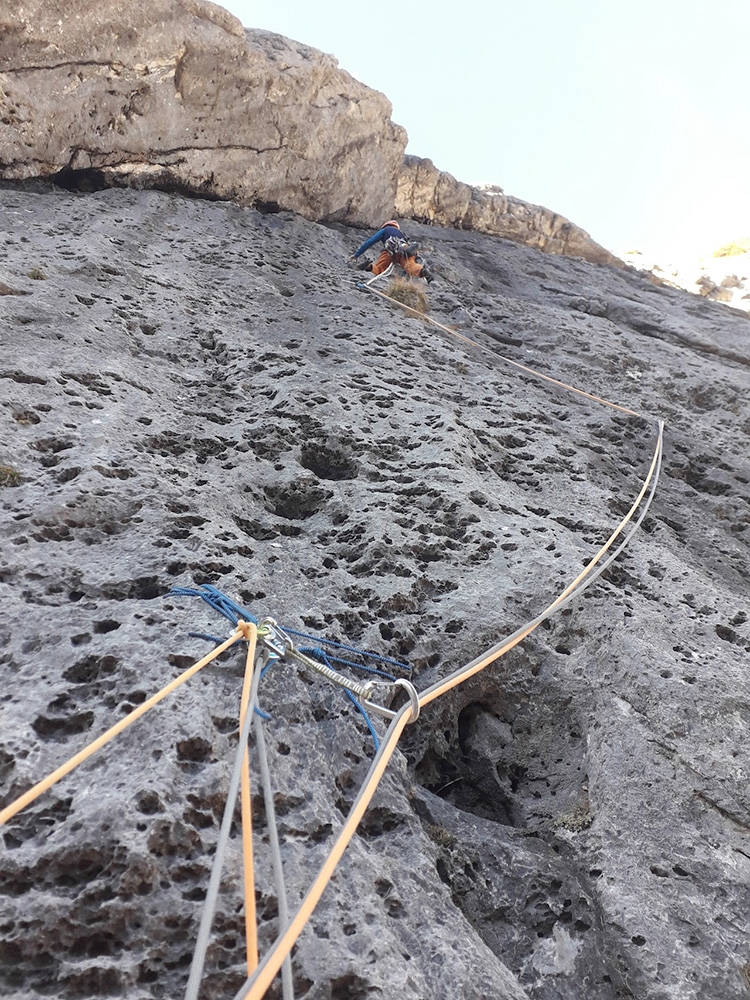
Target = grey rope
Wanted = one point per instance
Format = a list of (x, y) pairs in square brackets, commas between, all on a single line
[(579, 589), (243, 991), (457, 675), (287, 984), (212, 895)]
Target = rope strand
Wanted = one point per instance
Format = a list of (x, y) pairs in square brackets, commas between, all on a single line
[(257, 985), (33, 793), (212, 894)]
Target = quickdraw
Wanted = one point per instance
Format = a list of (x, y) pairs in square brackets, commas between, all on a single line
[(280, 645)]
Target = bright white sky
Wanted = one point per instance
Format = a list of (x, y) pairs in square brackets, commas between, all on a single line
[(630, 117)]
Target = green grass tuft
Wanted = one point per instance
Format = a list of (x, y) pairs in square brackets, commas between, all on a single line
[(733, 249), (409, 293), (9, 476)]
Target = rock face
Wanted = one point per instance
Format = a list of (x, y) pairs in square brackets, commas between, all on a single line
[(195, 392), (431, 195), (175, 94)]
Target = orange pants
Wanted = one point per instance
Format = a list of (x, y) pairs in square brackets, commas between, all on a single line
[(407, 264)]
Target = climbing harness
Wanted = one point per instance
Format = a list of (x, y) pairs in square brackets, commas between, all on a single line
[(396, 246), (403, 249)]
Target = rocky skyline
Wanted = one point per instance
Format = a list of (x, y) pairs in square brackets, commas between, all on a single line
[(179, 96)]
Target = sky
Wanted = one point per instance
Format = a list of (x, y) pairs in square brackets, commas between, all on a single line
[(630, 118)]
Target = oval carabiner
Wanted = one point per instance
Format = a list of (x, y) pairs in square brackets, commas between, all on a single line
[(413, 697)]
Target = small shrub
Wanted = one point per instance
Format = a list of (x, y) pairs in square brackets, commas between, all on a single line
[(9, 476), (37, 274), (579, 818), (441, 836), (733, 249), (409, 293)]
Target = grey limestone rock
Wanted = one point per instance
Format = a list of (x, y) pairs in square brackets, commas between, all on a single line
[(431, 195), (175, 94), (194, 391)]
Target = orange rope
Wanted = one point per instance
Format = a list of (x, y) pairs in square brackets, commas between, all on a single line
[(271, 964), (251, 929), (463, 673), (501, 357), (33, 793), (255, 989)]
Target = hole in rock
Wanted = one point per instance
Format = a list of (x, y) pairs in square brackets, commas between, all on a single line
[(329, 463)]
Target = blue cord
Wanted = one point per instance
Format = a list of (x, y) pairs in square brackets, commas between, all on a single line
[(349, 649), (320, 654), (330, 660), (217, 600), (360, 707), (207, 636), (362, 666), (233, 611)]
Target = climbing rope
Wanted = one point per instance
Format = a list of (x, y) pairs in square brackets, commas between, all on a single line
[(278, 640), (217, 600), (383, 274), (276, 643), (266, 972), (498, 357), (248, 699), (258, 983), (261, 976), (33, 793), (240, 776), (287, 985), (368, 721)]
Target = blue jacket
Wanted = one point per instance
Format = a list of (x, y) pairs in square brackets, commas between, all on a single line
[(382, 235)]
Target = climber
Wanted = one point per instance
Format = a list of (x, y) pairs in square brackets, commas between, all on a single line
[(396, 250)]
